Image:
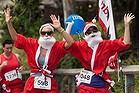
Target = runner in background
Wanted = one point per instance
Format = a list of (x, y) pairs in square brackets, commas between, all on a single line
[(10, 69)]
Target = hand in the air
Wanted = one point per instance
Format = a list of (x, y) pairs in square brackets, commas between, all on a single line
[(7, 14), (56, 22), (128, 18)]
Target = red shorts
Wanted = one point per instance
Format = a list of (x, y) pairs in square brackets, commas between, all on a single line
[(14, 90), (29, 87), (15, 86), (87, 89)]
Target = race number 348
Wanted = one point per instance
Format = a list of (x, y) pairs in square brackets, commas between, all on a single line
[(86, 76), (82, 76)]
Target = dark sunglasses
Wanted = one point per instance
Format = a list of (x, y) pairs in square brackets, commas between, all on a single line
[(90, 30), (48, 33)]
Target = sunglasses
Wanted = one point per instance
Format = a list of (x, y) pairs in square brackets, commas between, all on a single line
[(90, 30), (48, 33)]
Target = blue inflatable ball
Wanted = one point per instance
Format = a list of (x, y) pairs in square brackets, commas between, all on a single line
[(78, 25)]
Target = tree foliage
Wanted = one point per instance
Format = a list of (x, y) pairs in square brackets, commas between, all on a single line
[(27, 16)]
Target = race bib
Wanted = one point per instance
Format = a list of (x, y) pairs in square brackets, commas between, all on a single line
[(42, 82), (85, 76), (11, 75), (19, 75)]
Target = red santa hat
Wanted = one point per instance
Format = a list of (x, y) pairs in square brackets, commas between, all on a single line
[(89, 24), (47, 24)]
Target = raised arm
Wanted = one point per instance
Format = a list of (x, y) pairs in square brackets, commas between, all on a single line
[(127, 20), (56, 24), (9, 24)]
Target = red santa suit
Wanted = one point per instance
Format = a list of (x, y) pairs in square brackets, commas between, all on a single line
[(113, 61), (30, 46), (103, 52), (11, 78)]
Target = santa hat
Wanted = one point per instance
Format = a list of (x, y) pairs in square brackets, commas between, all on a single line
[(89, 24), (47, 24)]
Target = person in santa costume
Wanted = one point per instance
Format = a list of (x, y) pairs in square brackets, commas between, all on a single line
[(93, 52), (10, 69), (43, 54)]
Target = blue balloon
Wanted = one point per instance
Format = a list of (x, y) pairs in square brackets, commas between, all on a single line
[(78, 25)]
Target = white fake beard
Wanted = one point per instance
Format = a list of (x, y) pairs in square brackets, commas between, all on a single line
[(46, 42), (93, 39)]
